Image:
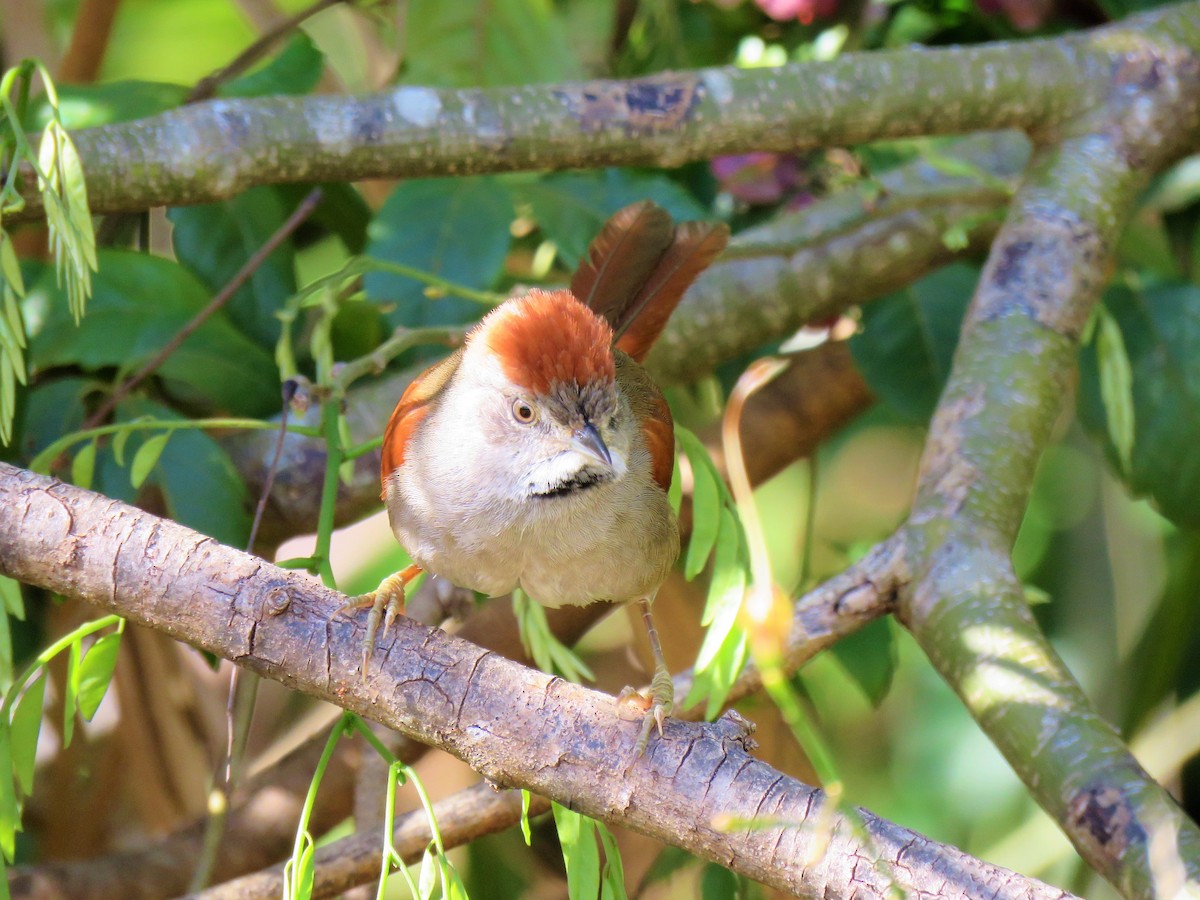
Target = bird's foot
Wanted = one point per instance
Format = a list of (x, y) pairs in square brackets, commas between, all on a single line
[(384, 604), (653, 709)]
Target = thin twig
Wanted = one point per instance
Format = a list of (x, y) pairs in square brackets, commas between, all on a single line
[(303, 211)]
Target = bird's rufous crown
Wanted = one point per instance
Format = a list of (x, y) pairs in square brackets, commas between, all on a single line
[(547, 338)]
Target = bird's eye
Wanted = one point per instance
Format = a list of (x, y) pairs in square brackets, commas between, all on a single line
[(523, 412)]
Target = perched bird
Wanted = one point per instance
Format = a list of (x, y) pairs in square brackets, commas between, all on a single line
[(538, 456)]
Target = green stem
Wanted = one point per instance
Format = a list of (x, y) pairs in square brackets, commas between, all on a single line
[(334, 457), (310, 798)]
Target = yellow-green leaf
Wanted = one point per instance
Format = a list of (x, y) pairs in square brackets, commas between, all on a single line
[(26, 726), (146, 458), (83, 466), (95, 673)]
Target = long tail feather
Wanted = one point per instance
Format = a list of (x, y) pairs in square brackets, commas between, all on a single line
[(622, 257), (695, 246)]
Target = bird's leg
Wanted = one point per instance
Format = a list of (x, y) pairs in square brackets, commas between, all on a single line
[(662, 688), (385, 602)]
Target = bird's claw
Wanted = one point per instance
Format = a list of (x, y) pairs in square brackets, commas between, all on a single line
[(384, 604), (653, 709)]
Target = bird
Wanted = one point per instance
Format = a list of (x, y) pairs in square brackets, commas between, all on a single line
[(538, 455)]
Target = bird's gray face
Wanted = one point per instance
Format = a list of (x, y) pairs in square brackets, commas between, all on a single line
[(569, 440)]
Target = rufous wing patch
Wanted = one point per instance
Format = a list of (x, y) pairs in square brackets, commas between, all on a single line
[(414, 405), (549, 337), (658, 429), (653, 417)]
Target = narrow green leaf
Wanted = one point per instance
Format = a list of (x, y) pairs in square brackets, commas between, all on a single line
[(427, 878), (305, 870), (613, 887), (10, 809), (146, 458), (10, 594), (452, 882), (525, 832), (96, 672), (726, 566), (577, 835), (706, 516), (6, 652), (120, 439), (9, 267), (4, 894), (71, 693), (83, 466), (1116, 385), (26, 726)]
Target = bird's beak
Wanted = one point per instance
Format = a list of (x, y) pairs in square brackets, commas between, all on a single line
[(587, 441)]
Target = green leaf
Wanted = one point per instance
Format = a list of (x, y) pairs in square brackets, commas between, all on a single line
[(146, 458), (71, 692), (120, 439), (714, 683), (216, 240), (525, 832), (10, 595), (296, 70), (577, 835), (428, 876), (1160, 329), (908, 338), (305, 870), (456, 228), (1116, 385), (10, 809), (484, 43), (6, 652), (870, 656), (10, 268), (572, 207), (706, 505), (613, 886), (452, 882), (96, 671), (83, 466), (140, 303), (26, 726)]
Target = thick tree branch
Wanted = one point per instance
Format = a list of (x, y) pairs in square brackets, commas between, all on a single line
[(663, 120), (1012, 370), (515, 726)]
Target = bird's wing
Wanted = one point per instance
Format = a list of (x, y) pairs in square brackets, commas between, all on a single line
[(414, 405), (653, 417)]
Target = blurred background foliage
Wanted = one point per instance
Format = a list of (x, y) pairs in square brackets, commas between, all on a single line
[(1109, 547)]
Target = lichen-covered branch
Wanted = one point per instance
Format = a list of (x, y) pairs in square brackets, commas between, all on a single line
[(515, 726), (662, 120), (1011, 373)]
